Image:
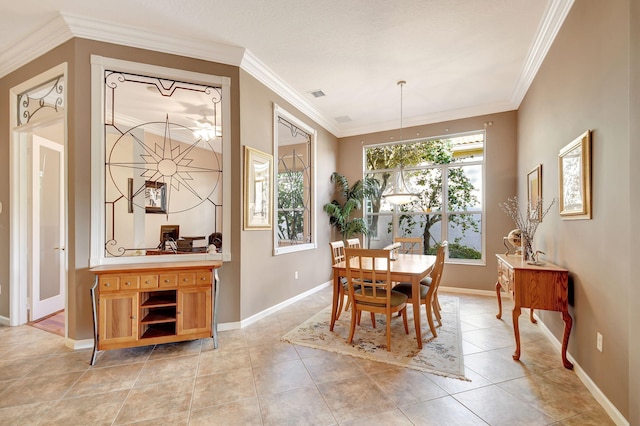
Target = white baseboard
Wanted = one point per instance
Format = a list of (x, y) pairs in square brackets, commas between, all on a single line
[(78, 344), (275, 308), (611, 410), (4, 320), (474, 292)]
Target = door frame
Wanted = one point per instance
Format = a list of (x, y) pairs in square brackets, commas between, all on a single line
[(19, 187)]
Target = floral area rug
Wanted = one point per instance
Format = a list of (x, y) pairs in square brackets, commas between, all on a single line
[(441, 355)]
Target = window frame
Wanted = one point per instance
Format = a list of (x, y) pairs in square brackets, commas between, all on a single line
[(280, 112), (395, 213)]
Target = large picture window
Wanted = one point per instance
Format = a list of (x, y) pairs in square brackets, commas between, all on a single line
[(448, 175)]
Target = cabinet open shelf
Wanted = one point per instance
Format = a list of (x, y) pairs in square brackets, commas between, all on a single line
[(159, 330), (159, 299), (157, 316)]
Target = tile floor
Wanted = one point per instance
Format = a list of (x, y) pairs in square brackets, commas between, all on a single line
[(254, 379)]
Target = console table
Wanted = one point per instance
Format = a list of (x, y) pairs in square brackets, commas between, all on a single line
[(151, 303), (536, 287)]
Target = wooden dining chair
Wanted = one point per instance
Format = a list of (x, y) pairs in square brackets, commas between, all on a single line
[(410, 245), (369, 285), (429, 290), (353, 243), (337, 253)]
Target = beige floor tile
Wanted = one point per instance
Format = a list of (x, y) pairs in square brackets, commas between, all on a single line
[(389, 418), (490, 338), (38, 389), (497, 365), (99, 409), (453, 386), (498, 407), (18, 368), (177, 419), (62, 363), (29, 414), (281, 377), (168, 369), (557, 400), (238, 413), (225, 387), (442, 411), (123, 356), (107, 379), (232, 339), (272, 353), (595, 417), (405, 387), (153, 401), (169, 350), (295, 407), (354, 398), (220, 361), (330, 367)]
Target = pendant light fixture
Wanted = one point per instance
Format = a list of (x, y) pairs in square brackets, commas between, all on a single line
[(397, 192)]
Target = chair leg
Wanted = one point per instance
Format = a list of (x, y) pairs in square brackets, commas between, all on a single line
[(346, 308), (373, 320), (354, 317), (389, 332), (404, 319), (432, 327), (436, 311), (340, 302)]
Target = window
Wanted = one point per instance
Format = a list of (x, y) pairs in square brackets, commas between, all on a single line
[(159, 138), (294, 144), (448, 176)]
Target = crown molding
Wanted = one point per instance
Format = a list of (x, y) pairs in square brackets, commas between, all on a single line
[(552, 21), (437, 117), (95, 29), (47, 37), (263, 74)]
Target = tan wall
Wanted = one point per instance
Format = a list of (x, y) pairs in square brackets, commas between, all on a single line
[(266, 279), (634, 234), (584, 84), (500, 169)]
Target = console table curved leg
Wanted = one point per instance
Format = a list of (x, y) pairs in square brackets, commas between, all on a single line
[(568, 321), (499, 315), (216, 293), (516, 331), (95, 323)]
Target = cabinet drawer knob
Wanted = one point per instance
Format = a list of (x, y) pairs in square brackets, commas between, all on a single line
[(133, 317), (185, 280), (166, 281), (107, 285), (127, 283), (146, 282), (203, 278)]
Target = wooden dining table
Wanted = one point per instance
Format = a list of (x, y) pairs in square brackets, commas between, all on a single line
[(406, 268)]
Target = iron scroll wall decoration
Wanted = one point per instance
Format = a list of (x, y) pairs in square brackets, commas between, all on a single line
[(163, 150), (50, 95)]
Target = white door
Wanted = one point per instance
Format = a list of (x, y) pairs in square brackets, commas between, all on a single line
[(48, 275)]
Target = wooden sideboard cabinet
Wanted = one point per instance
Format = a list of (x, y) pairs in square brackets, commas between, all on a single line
[(543, 287), (152, 303)]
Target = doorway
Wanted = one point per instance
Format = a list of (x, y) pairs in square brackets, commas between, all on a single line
[(38, 264)]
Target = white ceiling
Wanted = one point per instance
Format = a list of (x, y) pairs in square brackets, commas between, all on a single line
[(460, 58)]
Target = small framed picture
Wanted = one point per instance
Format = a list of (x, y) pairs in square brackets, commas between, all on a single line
[(155, 200), (258, 193), (534, 193), (574, 175)]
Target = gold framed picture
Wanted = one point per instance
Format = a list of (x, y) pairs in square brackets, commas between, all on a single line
[(574, 175), (534, 193), (258, 189)]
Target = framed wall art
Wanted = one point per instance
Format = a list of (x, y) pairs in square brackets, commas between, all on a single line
[(534, 193), (258, 189), (574, 175)]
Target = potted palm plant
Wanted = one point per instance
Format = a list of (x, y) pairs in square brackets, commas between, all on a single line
[(349, 200)]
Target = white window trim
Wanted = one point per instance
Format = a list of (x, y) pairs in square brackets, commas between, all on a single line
[(280, 112)]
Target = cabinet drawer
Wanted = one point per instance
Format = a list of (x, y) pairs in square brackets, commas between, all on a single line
[(168, 280), (109, 283), (148, 281), (186, 279), (203, 277), (129, 282)]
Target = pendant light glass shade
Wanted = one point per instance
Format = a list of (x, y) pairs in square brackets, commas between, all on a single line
[(397, 192)]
